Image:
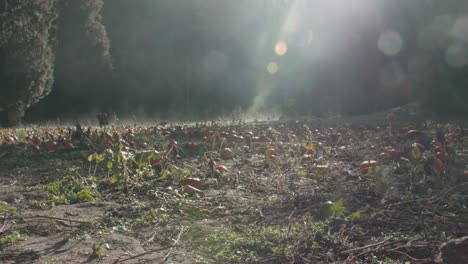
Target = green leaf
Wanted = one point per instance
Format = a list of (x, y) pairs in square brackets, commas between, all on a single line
[(163, 175), (86, 195), (110, 164), (72, 197), (114, 179), (91, 157), (100, 157), (360, 214), (119, 157), (337, 208), (52, 188), (63, 200), (330, 209)]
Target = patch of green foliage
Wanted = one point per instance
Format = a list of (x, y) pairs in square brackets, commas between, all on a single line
[(332, 209), (12, 238), (358, 215), (6, 208), (276, 242), (135, 214), (70, 190)]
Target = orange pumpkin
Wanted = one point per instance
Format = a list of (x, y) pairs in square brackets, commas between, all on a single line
[(69, 146), (441, 155), (221, 168), (51, 145), (190, 145), (368, 164), (194, 182), (438, 166), (384, 156)]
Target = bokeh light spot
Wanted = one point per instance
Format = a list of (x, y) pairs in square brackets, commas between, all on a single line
[(390, 43), (281, 48), (456, 55), (272, 68)]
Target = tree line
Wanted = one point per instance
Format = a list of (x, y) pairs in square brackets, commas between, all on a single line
[(65, 58)]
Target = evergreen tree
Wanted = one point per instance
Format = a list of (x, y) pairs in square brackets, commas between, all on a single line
[(26, 57)]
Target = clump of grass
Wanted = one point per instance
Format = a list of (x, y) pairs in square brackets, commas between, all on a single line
[(70, 190), (282, 243), (12, 238)]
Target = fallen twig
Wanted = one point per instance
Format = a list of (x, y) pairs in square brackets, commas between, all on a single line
[(47, 217), (174, 245), (408, 256), (365, 247)]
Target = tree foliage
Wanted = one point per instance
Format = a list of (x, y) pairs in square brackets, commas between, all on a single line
[(38, 37), (26, 57)]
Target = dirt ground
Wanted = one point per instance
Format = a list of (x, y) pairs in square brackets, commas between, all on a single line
[(268, 203)]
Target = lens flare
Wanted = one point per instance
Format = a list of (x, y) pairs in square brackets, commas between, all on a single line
[(281, 48), (390, 43), (272, 68)]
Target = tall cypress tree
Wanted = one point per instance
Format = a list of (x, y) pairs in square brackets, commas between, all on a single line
[(26, 57)]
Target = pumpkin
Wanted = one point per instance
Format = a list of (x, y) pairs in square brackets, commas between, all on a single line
[(36, 141), (51, 145), (191, 145), (438, 166), (221, 168), (384, 156), (441, 155), (238, 139), (69, 146), (368, 164), (394, 154), (194, 182), (435, 143), (226, 153)]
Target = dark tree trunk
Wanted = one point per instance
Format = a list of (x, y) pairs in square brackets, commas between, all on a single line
[(14, 116)]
